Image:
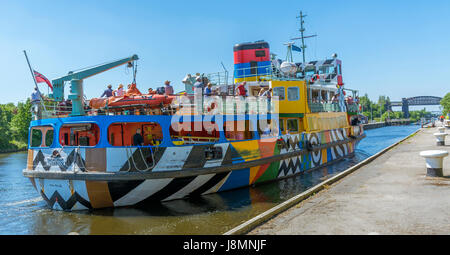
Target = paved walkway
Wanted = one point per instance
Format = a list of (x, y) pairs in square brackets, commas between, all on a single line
[(391, 195)]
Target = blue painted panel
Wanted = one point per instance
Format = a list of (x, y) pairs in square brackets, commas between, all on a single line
[(237, 179), (243, 70)]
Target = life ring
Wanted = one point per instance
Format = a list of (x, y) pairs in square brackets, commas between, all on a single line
[(315, 78), (212, 106)]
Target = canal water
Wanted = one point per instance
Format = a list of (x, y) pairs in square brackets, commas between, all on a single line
[(22, 211)]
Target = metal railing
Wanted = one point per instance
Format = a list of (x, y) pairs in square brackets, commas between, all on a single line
[(324, 107), (262, 73), (206, 105), (219, 78), (332, 107)]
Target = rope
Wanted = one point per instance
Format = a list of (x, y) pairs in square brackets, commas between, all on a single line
[(143, 159)]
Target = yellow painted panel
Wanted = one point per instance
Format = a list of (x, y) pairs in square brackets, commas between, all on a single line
[(248, 150), (286, 106), (315, 122), (253, 172)]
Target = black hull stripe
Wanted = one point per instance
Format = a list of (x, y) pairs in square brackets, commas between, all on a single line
[(173, 187), (118, 189), (209, 184)]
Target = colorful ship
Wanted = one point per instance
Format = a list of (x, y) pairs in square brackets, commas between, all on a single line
[(82, 154)]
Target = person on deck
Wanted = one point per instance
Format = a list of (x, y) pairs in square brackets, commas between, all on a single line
[(36, 95), (198, 84), (198, 95), (208, 90), (240, 90), (138, 140), (168, 89), (108, 92), (268, 94), (133, 90), (242, 93), (36, 102), (151, 91), (119, 92)]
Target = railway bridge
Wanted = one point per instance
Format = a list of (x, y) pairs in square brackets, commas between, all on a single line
[(419, 100)]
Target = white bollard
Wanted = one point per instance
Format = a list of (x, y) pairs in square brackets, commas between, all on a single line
[(441, 129), (434, 161), (440, 138)]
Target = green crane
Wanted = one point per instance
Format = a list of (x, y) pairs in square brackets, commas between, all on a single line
[(76, 83)]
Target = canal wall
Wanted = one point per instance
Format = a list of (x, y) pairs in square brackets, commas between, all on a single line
[(390, 194), (386, 123)]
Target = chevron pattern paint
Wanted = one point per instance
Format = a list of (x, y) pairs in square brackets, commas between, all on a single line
[(79, 195)]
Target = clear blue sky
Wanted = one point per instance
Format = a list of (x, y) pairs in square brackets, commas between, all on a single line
[(393, 48)]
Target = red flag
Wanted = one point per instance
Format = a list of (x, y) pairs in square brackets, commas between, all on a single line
[(41, 78)]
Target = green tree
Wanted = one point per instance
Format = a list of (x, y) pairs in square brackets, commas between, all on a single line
[(21, 121), (445, 102), (6, 114), (14, 123)]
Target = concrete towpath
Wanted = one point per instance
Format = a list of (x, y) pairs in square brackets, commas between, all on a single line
[(390, 195)]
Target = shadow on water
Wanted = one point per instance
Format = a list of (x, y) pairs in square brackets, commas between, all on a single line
[(23, 212)]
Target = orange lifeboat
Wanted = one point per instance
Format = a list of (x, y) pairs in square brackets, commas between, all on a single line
[(149, 100)]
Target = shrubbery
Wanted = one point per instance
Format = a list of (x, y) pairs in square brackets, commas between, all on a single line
[(14, 123)]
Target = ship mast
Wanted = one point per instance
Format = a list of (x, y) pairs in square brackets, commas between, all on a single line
[(303, 37)]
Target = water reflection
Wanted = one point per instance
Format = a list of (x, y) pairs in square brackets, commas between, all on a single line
[(23, 212)]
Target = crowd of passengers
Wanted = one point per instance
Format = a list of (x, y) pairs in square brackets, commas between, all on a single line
[(199, 88), (335, 99)]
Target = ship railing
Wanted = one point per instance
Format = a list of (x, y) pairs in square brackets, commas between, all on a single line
[(47, 109), (219, 78), (263, 73), (353, 108), (332, 107), (324, 107), (223, 105), (194, 139), (185, 104)]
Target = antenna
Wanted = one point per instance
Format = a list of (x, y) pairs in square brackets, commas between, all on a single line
[(303, 37), (289, 51)]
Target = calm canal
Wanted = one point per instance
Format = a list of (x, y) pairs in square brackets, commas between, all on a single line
[(22, 211)]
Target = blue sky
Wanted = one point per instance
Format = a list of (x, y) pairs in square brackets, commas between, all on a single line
[(393, 48)]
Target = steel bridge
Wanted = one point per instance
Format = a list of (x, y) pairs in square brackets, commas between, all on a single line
[(420, 100)]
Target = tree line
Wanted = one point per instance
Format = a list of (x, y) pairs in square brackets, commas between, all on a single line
[(14, 123), (445, 102), (379, 111)]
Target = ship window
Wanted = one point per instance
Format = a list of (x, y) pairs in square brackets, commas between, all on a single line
[(41, 136), (253, 67), (238, 130), (279, 92), (196, 132), (282, 125), (49, 138), (79, 134), (267, 128), (260, 53), (293, 93), (36, 137), (292, 125), (122, 133)]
